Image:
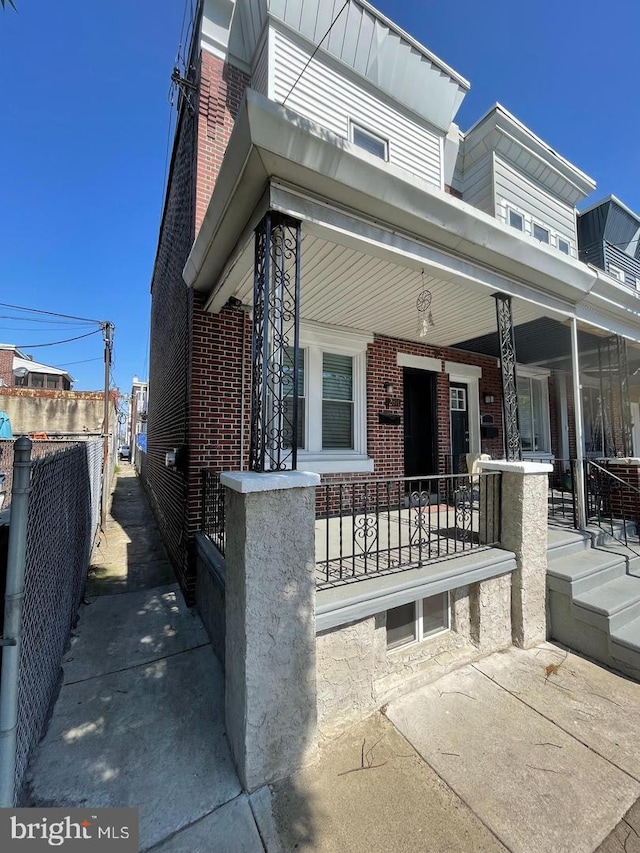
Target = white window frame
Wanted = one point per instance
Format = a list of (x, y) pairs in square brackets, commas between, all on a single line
[(316, 340), (616, 272), (535, 224), (457, 395), (510, 210), (561, 239), (420, 636), (356, 125), (542, 376)]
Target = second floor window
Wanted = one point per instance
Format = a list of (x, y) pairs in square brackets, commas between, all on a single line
[(368, 141), (540, 233)]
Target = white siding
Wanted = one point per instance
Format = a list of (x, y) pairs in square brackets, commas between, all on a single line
[(331, 99), (477, 185), (540, 206), (260, 75)]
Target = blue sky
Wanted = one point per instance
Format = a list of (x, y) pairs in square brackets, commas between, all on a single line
[(84, 133)]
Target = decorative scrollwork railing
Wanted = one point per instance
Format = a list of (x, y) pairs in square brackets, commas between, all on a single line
[(368, 527)]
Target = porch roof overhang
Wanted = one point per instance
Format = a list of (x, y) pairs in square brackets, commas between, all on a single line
[(278, 160)]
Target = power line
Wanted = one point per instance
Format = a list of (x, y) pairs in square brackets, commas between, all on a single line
[(55, 343), (82, 361), (36, 320), (50, 313), (308, 62)]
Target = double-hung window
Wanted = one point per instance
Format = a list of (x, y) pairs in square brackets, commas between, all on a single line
[(331, 399)]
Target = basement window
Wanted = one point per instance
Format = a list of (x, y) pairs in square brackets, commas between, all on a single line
[(417, 620), (368, 141)]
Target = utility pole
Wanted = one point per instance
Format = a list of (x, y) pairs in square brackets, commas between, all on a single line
[(107, 336)]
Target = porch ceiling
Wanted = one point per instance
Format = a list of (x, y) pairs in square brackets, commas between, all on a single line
[(344, 286)]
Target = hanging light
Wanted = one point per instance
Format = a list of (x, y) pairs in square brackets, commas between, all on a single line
[(423, 304)]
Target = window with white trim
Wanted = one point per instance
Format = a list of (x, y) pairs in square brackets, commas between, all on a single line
[(540, 233), (616, 272), (332, 422), (417, 620), (368, 141), (516, 220), (533, 413), (563, 246)]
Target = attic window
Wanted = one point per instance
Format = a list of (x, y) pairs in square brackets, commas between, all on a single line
[(616, 272), (540, 233), (368, 141), (516, 220)]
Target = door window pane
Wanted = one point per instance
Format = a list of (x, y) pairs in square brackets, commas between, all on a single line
[(401, 625), (337, 401)]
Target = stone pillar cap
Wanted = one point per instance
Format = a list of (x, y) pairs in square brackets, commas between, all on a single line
[(269, 481), (518, 467)]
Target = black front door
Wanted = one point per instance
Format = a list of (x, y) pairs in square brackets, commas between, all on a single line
[(420, 423), (459, 409)]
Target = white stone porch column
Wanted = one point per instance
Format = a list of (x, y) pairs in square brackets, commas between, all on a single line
[(270, 655), (524, 531)]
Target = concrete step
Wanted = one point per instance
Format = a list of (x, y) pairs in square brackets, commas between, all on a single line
[(610, 605), (576, 572), (625, 643), (562, 542)]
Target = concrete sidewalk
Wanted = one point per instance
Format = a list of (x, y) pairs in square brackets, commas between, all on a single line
[(523, 751)]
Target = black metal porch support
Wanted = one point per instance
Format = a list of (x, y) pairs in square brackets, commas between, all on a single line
[(512, 442), (275, 345)]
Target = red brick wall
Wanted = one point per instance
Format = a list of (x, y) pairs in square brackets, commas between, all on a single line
[(169, 352), (221, 91), (386, 443), (6, 366), (191, 384)]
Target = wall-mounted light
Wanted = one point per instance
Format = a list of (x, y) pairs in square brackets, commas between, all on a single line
[(489, 398), (388, 388)]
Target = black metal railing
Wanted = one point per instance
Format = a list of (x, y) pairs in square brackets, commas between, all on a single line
[(368, 527), (612, 504), (562, 492), (213, 508)]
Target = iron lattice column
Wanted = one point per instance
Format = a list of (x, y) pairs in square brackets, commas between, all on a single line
[(275, 352), (512, 442)]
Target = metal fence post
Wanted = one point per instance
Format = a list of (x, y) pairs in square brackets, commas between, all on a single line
[(14, 597)]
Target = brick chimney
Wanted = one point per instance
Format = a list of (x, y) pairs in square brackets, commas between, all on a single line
[(6, 365)]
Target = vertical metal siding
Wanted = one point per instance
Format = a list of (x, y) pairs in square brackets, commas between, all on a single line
[(331, 99)]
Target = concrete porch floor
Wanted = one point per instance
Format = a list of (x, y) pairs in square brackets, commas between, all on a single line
[(524, 751)]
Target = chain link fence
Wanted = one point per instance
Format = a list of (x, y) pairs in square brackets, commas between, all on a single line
[(63, 518), (39, 449)]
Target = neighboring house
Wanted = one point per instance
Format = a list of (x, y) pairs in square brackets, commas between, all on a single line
[(137, 413), (39, 400), (21, 371), (335, 180)]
